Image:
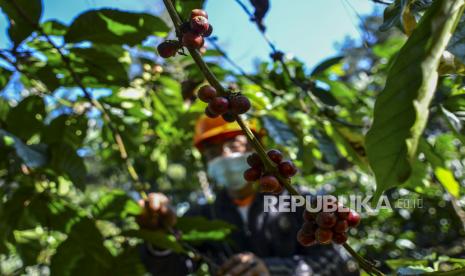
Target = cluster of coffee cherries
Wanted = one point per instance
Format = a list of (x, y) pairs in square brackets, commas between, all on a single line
[(326, 227), (228, 106), (268, 182), (193, 33)]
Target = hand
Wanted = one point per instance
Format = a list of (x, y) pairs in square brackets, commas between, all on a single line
[(157, 213), (246, 264)]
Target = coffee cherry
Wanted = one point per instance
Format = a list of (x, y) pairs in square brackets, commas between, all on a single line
[(287, 169), (206, 93), (343, 213), (278, 190), (326, 220), (341, 226), (239, 104), (309, 216), (252, 174), (218, 105), (209, 31), (254, 161), (198, 12), (340, 238), (309, 227), (275, 155), (269, 183), (305, 239), (199, 25), (210, 114), (168, 49), (323, 236), (192, 40), (229, 117), (354, 219)]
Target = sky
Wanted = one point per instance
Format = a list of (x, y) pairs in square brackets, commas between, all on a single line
[(307, 29)]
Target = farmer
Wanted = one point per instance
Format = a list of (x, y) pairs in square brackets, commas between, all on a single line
[(264, 243)]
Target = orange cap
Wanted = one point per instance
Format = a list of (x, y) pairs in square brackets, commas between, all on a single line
[(216, 128)]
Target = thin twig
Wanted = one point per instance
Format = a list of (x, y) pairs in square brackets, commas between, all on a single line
[(242, 71)]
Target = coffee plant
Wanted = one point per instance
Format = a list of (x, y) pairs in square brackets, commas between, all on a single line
[(98, 114)]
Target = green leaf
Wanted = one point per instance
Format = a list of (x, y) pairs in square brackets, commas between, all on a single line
[(159, 239), (399, 14), (447, 179), (109, 26), (53, 213), (115, 205), (5, 75), (64, 159), (23, 14), (12, 211), (101, 65), (28, 246), (54, 27), (33, 157), (48, 77), (128, 263), (25, 119), (70, 129), (320, 68), (280, 132), (82, 253), (197, 229), (401, 109)]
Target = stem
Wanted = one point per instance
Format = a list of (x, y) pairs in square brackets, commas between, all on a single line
[(106, 117), (269, 165), (364, 264)]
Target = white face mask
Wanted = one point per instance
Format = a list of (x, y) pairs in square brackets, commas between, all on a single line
[(228, 171)]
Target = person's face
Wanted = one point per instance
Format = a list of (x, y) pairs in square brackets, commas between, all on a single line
[(228, 156), (226, 148)]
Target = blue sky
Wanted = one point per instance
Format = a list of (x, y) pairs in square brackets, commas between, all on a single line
[(307, 29)]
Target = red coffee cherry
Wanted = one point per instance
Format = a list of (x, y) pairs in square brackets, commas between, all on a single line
[(309, 216), (287, 169), (209, 32), (305, 239), (254, 161), (239, 104), (252, 174), (206, 93), (168, 49), (210, 114), (275, 155), (323, 236), (326, 220), (341, 226), (354, 219), (278, 190), (269, 183), (343, 213), (229, 117), (199, 25), (218, 105), (309, 227), (340, 238), (192, 40), (199, 12)]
